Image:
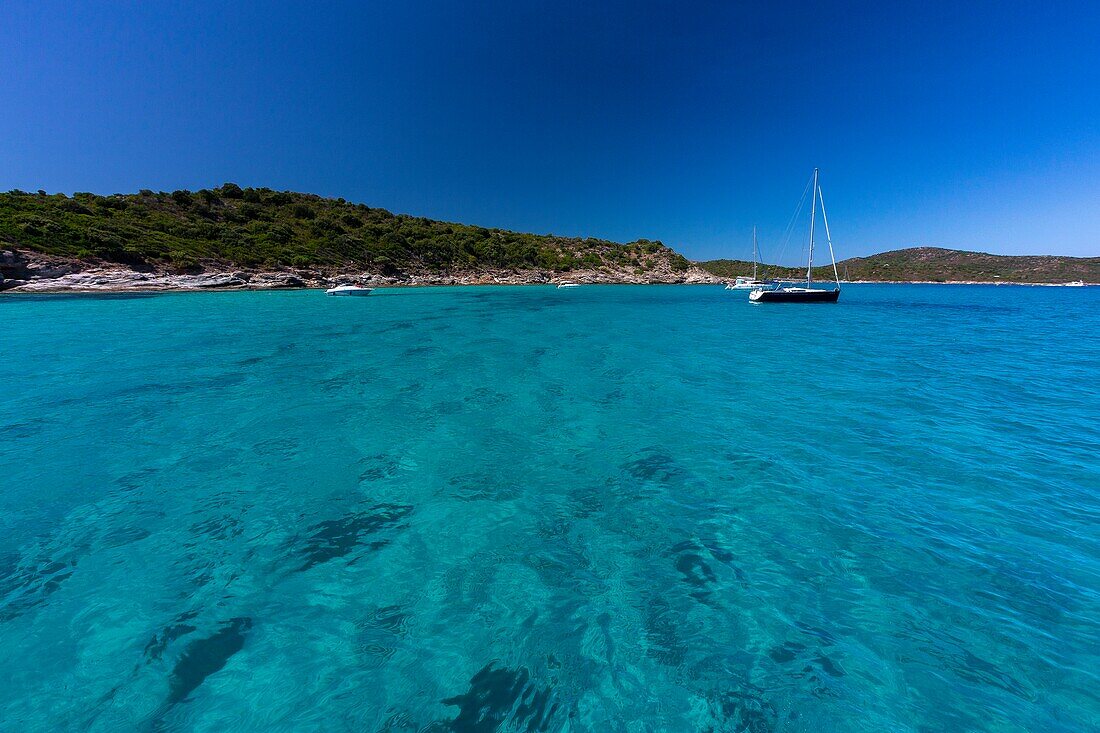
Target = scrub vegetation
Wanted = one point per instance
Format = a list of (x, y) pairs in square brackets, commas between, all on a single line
[(259, 227)]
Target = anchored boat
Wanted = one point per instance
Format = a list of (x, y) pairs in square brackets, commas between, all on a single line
[(807, 294), (743, 282), (348, 290)]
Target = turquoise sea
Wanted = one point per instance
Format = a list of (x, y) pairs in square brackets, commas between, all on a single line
[(528, 509)]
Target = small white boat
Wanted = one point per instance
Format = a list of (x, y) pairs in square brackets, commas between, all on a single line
[(348, 290), (1076, 284), (569, 285), (744, 282), (747, 283)]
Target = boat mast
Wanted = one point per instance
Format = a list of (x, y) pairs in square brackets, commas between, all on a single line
[(813, 215), (829, 239), (754, 252)]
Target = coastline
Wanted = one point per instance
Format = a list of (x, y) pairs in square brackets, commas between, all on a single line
[(36, 273), (28, 272), (267, 281)]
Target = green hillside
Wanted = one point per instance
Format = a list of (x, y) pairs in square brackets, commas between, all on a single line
[(936, 265), (254, 227), (729, 269)]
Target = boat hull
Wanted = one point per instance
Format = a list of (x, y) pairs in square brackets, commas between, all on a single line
[(348, 292), (795, 296)]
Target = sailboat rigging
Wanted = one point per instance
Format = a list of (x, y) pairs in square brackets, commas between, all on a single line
[(807, 294), (745, 283)]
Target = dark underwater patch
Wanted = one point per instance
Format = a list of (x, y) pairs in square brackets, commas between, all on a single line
[(23, 429), (503, 699), (135, 479), (336, 538), (748, 464), (786, 652), (276, 446), (123, 536), (655, 465), (744, 712), (482, 487), (534, 356), (977, 670), (378, 467), (587, 501), (156, 646), (726, 558), (151, 388), (447, 407), (422, 350), (28, 588), (206, 656), (614, 396), (337, 383), (388, 618), (695, 571), (662, 638), (219, 528), (485, 397)]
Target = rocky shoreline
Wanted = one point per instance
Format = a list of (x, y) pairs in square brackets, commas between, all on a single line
[(30, 272)]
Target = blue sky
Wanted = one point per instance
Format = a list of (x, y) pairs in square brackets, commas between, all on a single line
[(971, 125)]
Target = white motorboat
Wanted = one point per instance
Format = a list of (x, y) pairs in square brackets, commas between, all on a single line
[(348, 290), (569, 285), (1076, 284)]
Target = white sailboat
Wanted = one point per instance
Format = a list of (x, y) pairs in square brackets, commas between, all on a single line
[(808, 294), (743, 282)]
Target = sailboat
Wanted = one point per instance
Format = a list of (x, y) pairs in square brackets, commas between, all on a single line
[(807, 294), (746, 283)]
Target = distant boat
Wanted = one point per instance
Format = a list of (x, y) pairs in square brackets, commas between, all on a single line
[(807, 294), (348, 290), (569, 285), (1076, 284), (744, 282)]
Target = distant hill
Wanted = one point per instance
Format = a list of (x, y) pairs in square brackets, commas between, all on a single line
[(261, 228), (936, 265)]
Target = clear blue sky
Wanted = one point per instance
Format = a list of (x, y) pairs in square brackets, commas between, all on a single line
[(972, 125)]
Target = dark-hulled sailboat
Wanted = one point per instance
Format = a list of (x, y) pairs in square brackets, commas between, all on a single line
[(807, 294)]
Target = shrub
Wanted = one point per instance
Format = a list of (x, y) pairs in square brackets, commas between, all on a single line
[(75, 207), (281, 233)]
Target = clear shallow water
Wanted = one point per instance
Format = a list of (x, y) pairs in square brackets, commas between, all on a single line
[(618, 508)]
